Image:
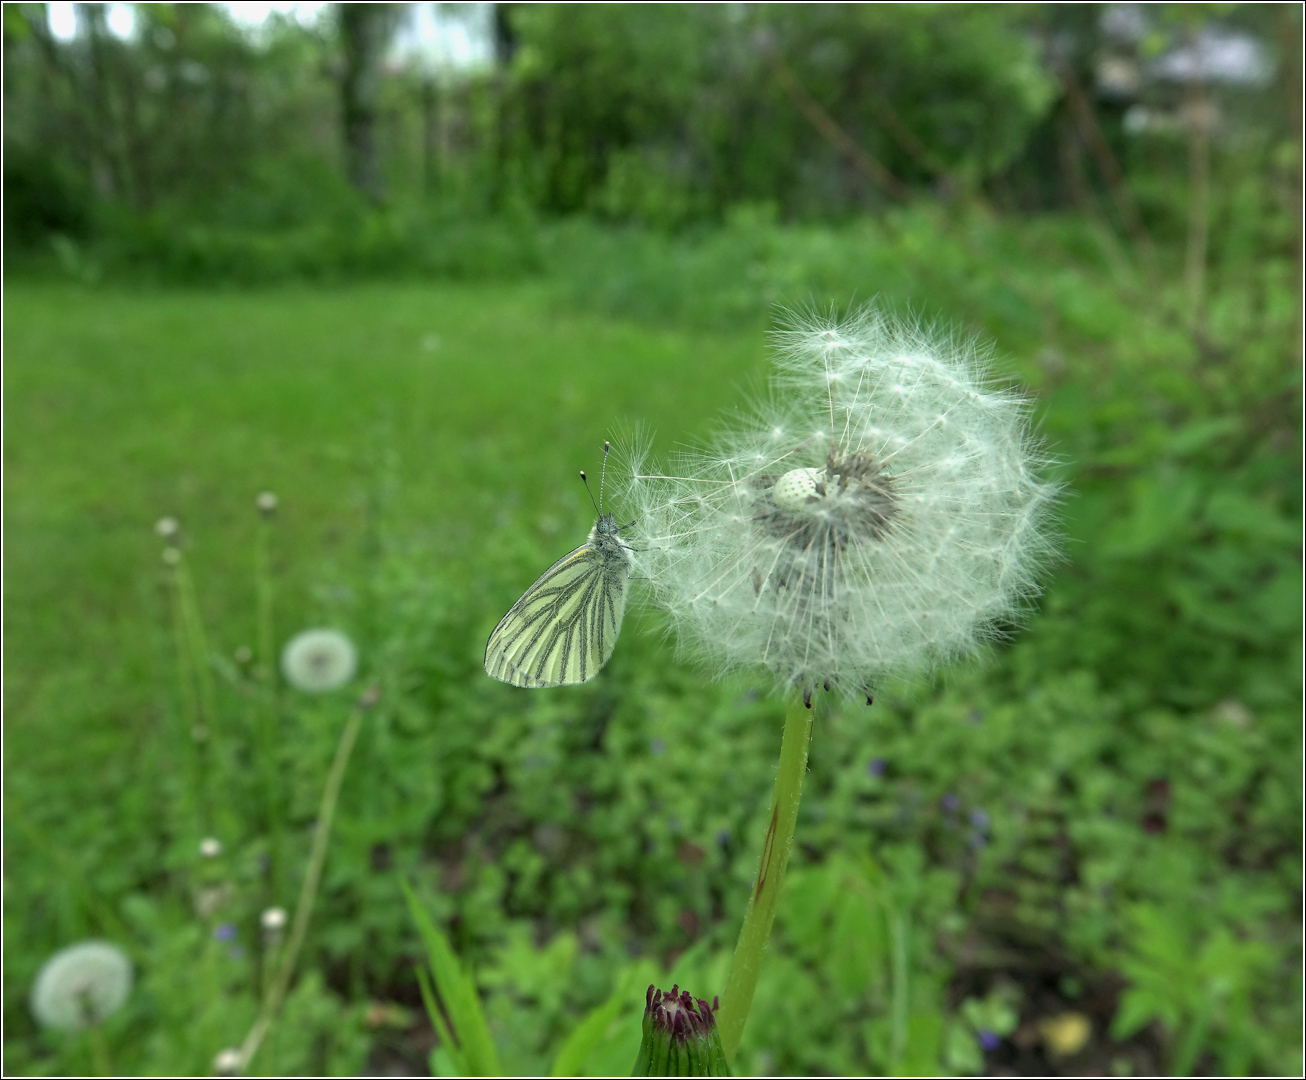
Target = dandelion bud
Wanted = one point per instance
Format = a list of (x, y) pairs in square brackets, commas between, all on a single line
[(680, 1036), (273, 920), (210, 847), (266, 503), (881, 514), (227, 1062), (316, 661), (167, 527), (81, 985)]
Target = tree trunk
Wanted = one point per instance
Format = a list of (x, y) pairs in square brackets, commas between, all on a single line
[(364, 32), (430, 136)]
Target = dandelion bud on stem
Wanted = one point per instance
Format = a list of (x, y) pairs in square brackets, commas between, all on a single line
[(680, 1036)]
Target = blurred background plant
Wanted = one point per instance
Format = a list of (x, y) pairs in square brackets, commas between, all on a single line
[(525, 227)]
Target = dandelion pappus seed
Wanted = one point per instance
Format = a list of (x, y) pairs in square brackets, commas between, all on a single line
[(81, 985), (913, 503)]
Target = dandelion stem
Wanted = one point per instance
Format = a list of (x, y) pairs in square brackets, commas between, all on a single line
[(268, 711), (308, 892), (201, 657), (194, 798), (753, 936), (99, 1051)]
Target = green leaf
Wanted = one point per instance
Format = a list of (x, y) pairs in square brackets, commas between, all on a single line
[(591, 1030), (470, 1045)]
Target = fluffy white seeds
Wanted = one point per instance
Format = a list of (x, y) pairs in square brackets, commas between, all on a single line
[(81, 985), (316, 661), (881, 514)]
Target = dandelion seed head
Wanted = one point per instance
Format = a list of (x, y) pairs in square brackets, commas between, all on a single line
[(81, 985), (881, 514), (227, 1062), (210, 847), (316, 661)]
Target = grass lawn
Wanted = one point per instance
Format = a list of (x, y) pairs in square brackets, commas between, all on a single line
[(1058, 805), (478, 403), (468, 410)]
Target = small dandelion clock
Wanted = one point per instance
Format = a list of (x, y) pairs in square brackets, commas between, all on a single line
[(81, 986), (320, 660)]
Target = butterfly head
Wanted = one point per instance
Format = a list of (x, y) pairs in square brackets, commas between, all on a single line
[(605, 527)]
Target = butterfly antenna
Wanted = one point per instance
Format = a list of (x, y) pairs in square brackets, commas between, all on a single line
[(585, 480), (604, 474)]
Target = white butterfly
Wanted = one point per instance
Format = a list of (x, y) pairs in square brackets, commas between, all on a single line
[(565, 626)]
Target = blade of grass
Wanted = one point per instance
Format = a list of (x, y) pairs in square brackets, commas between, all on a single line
[(457, 992), (590, 1031)]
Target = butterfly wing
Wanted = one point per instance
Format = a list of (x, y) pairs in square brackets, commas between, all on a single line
[(565, 626)]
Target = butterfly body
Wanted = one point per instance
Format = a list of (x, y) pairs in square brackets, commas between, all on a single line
[(565, 626)]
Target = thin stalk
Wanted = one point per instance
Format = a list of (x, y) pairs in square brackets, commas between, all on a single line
[(756, 931), (196, 797), (312, 878), (100, 1060), (201, 658), (267, 704)]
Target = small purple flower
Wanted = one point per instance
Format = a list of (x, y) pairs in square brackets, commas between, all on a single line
[(950, 802), (877, 766), (224, 931), (988, 1040), (980, 819), (658, 747), (723, 837)]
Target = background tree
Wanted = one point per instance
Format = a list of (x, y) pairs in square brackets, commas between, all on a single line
[(365, 31)]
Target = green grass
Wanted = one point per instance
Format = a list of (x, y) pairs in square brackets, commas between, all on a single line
[(477, 404), (1136, 748), (123, 407)]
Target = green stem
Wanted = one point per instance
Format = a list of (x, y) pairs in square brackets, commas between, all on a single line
[(753, 936), (267, 707), (308, 892), (196, 791), (201, 658), (99, 1051)]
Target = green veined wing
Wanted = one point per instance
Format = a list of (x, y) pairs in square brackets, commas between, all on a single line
[(565, 626)]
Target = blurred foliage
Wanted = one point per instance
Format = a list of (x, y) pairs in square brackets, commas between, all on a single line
[(1101, 820), (1135, 750), (664, 115)]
